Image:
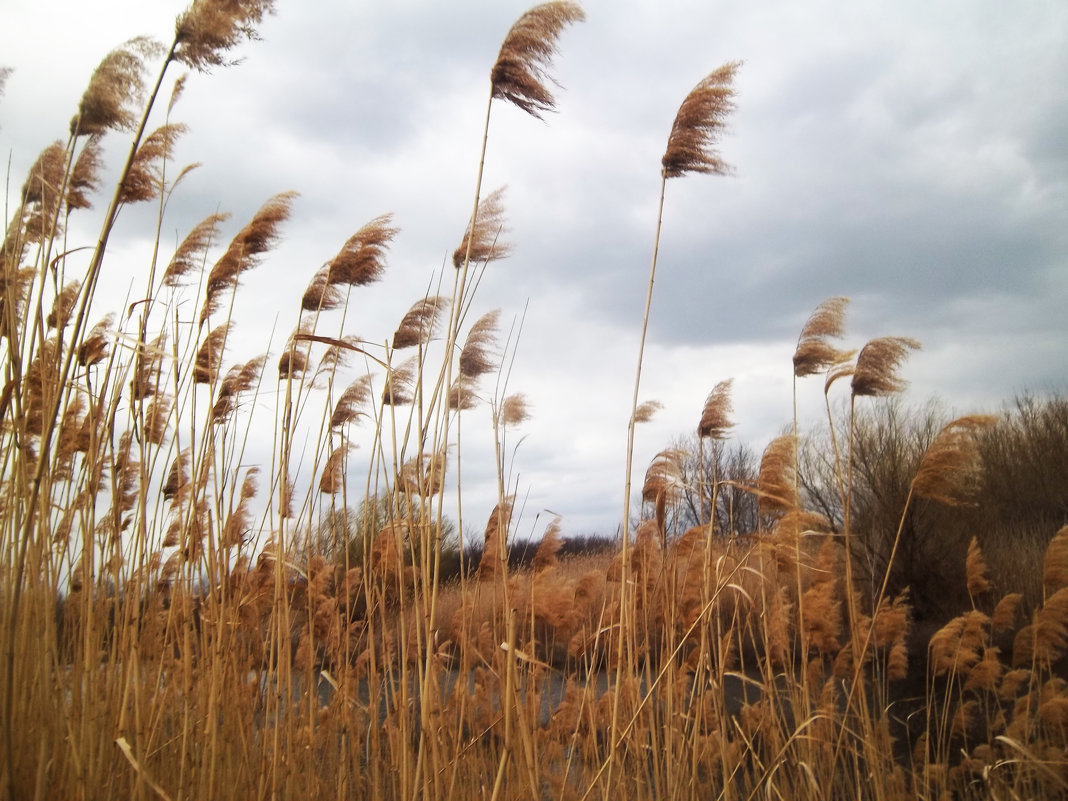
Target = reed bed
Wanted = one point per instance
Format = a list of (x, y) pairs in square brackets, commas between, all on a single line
[(179, 622)]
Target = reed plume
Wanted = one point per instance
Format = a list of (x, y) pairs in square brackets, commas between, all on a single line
[(333, 478), (208, 360), (420, 323), (209, 28), (84, 177), (877, 362), (143, 181), (239, 378), (647, 410), (42, 194), (423, 475), (361, 261), (699, 124), (814, 353), (294, 359), (975, 570), (1055, 563), (477, 357), (112, 99), (353, 402), (190, 255), (514, 409), (715, 416), (400, 383), (246, 250), (520, 74), (461, 395), (495, 541), (551, 542), (63, 306), (481, 241), (237, 529), (949, 471), (776, 486), (156, 416)]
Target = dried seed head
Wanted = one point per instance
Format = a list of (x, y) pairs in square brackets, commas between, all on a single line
[(353, 402), (551, 542), (85, 175), (481, 242), (715, 417), (110, 102), (294, 359), (514, 409), (145, 177), (63, 305), (876, 363), (813, 352), (495, 540), (777, 489), (246, 250), (699, 124), (1055, 565), (361, 261), (42, 193), (477, 357), (461, 395), (191, 253), (239, 378), (209, 357), (645, 411), (976, 570), (400, 383), (663, 478), (420, 323), (949, 471), (521, 70), (157, 414), (333, 478), (209, 28)]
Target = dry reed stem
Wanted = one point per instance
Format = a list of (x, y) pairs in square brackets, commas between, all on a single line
[(520, 72), (699, 124)]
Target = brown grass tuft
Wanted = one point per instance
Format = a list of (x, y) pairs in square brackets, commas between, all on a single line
[(495, 541), (949, 471), (239, 378), (400, 383), (333, 478), (776, 487), (209, 356), (420, 323), (477, 357), (699, 124), (209, 28), (715, 417), (647, 410), (520, 73), (361, 261), (114, 92), (876, 363), (85, 175), (551, 542), (814, 354), (481, 242), (353, 402), (191, 253), (144, 179), (63, 305), (514, 409), (256, 238), (976, 570)]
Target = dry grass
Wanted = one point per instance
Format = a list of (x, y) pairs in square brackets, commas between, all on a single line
[(180, 623)]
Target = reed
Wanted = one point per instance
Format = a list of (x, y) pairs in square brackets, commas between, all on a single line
[(181, 618)]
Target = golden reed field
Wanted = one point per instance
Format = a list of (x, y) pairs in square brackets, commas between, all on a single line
[(877, 610)]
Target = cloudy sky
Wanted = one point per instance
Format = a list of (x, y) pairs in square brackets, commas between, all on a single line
[(909, 155)]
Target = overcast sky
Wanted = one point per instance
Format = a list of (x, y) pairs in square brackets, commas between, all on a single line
[(909, 155)]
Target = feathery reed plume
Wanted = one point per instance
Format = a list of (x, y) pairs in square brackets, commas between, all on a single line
[(190, 254), (715, 417), (239, 378), (63, 305), (481, 242), (551, 543), (237, 529), (424, 474), (144, 178), (514, 409), (1003, 618), (256, 238), (110, 101), (777, 489), (949, 470), (333, 478), (145, 381), (85, 175), (352, 403), (476, 356), (663, 477), (876, 363), (975, 570), (69, 439), (294, 359), (42, 192), (361, 261), (1055, 564), (461, 396), (495, 540), (420, 323), (698, 125), (813, 353), (842, 369), (646, 411), (156, 416), (177, 476), (209, 28), (400, 383), (336, 356), (521, 69), (208, 360)]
